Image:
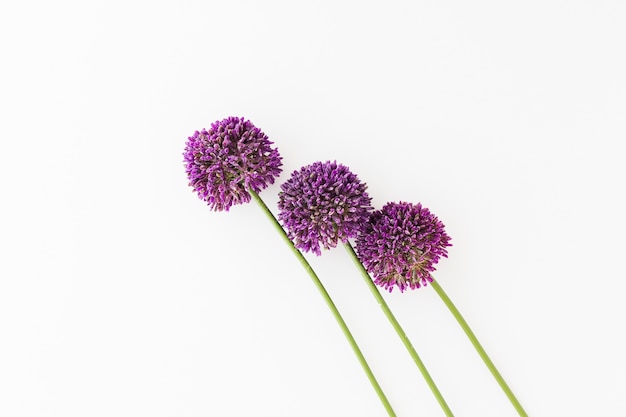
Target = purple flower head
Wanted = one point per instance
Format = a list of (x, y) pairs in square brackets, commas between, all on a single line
[(322, 204), (228, 160), (400, 245)]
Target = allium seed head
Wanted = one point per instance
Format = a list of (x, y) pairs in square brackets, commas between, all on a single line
[(322, 204), (400, 245), (226, 161)]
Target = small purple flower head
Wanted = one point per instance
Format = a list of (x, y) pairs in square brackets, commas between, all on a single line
[(228, 160), (322, 204), (400, 245)]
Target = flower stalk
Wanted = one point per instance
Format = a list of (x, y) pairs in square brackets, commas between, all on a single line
[(481, 352), (399, 330), (329, 302)]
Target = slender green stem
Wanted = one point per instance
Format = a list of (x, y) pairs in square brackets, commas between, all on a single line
[(470, 334), (405, 340), (330, 303)]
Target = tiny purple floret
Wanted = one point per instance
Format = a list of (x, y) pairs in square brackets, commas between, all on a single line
[(322, 204), (400, 245), (229, 159)]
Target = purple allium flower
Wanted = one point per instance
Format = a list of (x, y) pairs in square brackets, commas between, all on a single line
[(228, 160), (400, 245), (322, 204)]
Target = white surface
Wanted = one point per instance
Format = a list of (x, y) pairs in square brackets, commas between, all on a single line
[(122, 294)]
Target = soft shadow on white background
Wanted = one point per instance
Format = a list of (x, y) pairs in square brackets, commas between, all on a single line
[(122, 294)]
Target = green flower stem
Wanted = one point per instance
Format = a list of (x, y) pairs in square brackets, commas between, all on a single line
[(405, 340), (483, 355), (329, 302)]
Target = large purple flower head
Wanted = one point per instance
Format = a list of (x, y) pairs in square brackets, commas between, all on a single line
[(322, 204), (226, 161), (400, 245)]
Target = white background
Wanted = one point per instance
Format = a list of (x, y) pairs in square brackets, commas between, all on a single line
[(121, 294)]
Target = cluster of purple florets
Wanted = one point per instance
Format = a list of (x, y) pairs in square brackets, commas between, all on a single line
[(229, 159), (400, 245), (321, 205)]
